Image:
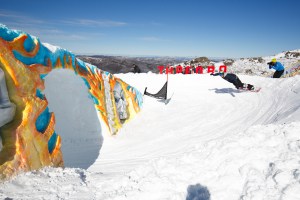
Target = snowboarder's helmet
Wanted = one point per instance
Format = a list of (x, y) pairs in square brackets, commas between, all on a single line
[(274, 60)]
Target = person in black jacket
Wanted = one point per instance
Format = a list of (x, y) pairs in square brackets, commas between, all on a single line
[(234, 79), (136, 69)]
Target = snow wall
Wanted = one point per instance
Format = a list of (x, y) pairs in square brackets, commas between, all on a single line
[(29, 137)]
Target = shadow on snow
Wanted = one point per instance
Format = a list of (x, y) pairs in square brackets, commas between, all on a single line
[(230, 91)]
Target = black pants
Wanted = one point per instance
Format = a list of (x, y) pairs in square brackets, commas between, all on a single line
[(234, 79), (278, 74), (238, 83)]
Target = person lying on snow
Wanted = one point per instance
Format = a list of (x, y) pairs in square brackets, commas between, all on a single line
[(234, 79)]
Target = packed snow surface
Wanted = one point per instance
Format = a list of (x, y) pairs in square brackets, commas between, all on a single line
[(210, 141)]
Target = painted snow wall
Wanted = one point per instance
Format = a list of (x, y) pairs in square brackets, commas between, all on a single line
[(29, 140)]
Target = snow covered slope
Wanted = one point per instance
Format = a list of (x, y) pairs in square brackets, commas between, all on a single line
[(259, 66), (210, 140)]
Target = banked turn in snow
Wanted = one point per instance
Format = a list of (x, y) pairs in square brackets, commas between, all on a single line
[(237, 145)]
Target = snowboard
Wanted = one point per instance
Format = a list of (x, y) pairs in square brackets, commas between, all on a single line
[(256, 89)]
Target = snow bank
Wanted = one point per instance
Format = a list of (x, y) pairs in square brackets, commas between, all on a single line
[(52, 48), (76, 118)]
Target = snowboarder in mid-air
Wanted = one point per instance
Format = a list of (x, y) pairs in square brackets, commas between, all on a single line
[(234, 79), (274, 64)]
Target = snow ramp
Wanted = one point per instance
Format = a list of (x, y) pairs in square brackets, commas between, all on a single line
[(240, 145)]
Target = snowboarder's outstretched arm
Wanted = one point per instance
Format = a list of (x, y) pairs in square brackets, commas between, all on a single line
[(216, 74)]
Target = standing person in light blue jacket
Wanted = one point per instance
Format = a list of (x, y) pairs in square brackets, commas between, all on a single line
[(277, 66)]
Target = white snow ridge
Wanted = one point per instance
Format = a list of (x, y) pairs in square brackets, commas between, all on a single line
[(209, 142)]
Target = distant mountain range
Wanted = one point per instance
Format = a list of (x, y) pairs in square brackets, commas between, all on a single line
[(123, 64), (251, 66)]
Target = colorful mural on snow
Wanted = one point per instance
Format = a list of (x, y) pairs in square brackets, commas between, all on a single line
[(27, 127)]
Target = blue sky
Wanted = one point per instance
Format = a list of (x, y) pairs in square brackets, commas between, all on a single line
[(232, 28)]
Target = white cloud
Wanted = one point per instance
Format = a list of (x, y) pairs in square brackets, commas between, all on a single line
[(152, 39), (19, 20), (94, 23), (14, 17)]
